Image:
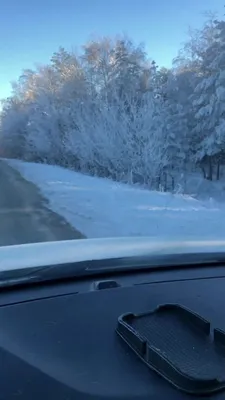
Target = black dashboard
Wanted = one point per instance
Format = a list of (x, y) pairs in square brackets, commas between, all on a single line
[(58, 341)]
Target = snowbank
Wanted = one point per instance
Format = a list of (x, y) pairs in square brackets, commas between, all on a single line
[(102, 208)]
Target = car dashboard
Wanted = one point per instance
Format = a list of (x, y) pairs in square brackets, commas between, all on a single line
[(59, 340)]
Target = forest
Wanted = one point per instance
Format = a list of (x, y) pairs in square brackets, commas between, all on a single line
[(110, 111)]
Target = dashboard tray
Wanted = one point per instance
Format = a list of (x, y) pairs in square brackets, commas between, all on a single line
[(178, 344)]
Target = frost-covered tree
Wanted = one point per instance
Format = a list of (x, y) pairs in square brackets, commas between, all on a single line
[(110, 111), (209, 100)]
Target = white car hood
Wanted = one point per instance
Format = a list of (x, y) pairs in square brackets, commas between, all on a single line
[(62, 252)]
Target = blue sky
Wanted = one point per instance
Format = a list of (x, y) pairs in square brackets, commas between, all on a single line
[(31, 31)]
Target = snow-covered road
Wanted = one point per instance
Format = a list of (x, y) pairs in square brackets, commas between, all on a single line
[(103, 208), (24, 217)]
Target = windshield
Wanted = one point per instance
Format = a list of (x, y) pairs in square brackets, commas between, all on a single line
[(112, 120)]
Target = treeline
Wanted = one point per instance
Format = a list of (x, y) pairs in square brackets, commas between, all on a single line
[(111, 111)]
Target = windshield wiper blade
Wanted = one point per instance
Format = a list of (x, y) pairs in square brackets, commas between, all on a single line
[(108, 267)]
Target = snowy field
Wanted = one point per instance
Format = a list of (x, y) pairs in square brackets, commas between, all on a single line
[(102, 208)]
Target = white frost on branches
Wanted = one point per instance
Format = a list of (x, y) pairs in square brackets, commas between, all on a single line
[(112, 112)]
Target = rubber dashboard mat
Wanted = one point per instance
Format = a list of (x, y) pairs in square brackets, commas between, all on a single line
[(178, 344)]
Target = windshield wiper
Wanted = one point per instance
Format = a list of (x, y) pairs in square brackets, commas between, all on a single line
[(108, 267)]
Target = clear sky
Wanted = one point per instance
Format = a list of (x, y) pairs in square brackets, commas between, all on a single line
[(31, 30)]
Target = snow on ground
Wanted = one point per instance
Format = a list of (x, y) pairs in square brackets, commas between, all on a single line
[(99, 207)]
